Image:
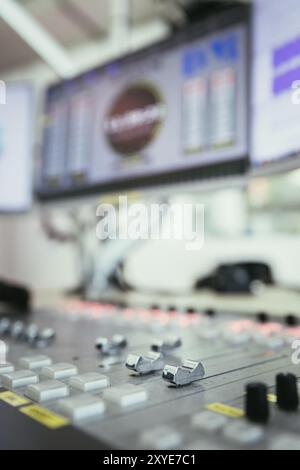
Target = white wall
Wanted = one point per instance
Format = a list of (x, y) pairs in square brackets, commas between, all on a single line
[(168, 266)]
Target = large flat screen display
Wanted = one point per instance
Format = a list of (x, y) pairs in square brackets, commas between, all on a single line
[(16, 147), (276, 81), (165, 113)]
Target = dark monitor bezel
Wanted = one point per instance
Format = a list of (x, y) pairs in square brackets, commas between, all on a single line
[(237, 166)]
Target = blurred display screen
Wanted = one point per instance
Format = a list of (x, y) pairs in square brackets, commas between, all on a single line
[(175, 107), (276, 81), (16, 147)]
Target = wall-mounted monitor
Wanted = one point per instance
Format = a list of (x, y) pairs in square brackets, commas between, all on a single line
[(173, 112), (276, 82), (16, 147)]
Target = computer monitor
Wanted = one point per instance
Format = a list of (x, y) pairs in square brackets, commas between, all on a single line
[(16, 147), (176, 111), (276, 85)]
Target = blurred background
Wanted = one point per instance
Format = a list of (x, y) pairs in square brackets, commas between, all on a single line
[(250, 215)]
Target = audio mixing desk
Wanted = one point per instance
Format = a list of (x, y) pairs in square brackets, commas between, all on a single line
[(101, 376)]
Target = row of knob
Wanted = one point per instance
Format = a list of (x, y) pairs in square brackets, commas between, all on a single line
[(118, 343), (257, 403), (290, 319), (36, 337), (154, 360)]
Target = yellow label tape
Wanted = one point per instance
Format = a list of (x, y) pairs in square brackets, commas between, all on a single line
[(13, 399), (272, 398), (45, 417), (226, 410)]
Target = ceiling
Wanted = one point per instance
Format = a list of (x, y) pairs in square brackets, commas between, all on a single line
[(76, 22), (71, 22)]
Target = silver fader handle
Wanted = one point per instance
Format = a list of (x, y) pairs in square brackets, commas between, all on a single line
[(151, 362), (189, 372), (112, 346), (166, 345)]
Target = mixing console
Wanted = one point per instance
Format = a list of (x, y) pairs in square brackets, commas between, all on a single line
[(108, 377)]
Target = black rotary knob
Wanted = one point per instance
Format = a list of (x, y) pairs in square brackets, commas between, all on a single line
[(262, 317), (291, 320), (257, 406), (287, 392), (210, 312)]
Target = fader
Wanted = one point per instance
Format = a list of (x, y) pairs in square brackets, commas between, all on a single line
[(157, 379)]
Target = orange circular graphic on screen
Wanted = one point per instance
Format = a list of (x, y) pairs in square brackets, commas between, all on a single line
[(134, 119)]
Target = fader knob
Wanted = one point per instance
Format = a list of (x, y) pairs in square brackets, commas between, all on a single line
[(287, 392), (40, 338), (5, 326), (257, 406), (111, 347), (45, 337), (189, 372), (167, 345), (31, 333), (17, 330)]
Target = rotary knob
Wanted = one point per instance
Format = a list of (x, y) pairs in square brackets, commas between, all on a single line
[(257, 406), (287, 392)]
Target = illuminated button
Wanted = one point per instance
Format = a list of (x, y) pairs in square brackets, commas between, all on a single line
[(89, 382), (59, 371), (243, 433), (35, 362), (6, 368), (82, 407), (164, 438), (209, 422), (126, 395), (45, 391), (21, 378), (286, 441)]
